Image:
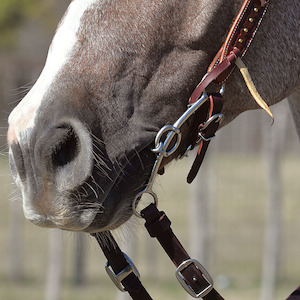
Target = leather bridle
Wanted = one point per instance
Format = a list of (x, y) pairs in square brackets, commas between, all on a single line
[(206, 111)]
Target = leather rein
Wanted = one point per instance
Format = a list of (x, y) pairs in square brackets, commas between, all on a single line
[(206, 110)]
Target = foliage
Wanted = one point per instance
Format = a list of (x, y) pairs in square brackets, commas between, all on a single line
[(13, 14)]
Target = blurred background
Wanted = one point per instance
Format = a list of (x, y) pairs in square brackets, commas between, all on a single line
[(240, 218)]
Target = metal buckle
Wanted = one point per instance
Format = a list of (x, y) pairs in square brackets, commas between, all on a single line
[(187, 287), (117, 279), (215, 118)]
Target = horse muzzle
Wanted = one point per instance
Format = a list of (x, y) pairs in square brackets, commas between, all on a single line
[(48, 166), (67, 179)]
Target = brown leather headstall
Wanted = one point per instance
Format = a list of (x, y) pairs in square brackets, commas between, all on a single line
[(240, 34), (235, 46)]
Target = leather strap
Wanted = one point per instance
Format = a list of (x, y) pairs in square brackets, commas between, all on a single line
[(118, 262), (241, 33), (295, 295), (236, 44), (215, 105), (214, 73), (159, 226)]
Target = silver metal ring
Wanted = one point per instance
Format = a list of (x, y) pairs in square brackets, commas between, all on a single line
[(139, 196), (161, 147)]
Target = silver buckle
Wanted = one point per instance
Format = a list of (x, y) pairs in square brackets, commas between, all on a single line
[(187, 287), (215, 118), (118, 278)]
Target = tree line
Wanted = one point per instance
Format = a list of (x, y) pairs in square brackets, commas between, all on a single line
[(26, 29)]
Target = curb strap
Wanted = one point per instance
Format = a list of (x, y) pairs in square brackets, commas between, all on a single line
[(190, 273), (121, 269)]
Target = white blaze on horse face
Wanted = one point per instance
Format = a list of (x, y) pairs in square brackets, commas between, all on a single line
[(23, 116)]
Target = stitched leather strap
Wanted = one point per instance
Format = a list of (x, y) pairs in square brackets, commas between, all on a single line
[(236, 44), (241, 33)]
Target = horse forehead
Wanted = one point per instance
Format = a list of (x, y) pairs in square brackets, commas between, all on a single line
[(61, 48)]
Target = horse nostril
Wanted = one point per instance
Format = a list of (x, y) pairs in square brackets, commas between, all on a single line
[(16, 161), (67, 149)]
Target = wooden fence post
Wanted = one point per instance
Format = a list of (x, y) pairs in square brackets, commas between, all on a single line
[(55, 266), (16, 243), (274, 141), (202, 220), (79, 260)]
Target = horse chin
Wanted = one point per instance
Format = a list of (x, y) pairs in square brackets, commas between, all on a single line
[(116, 208)]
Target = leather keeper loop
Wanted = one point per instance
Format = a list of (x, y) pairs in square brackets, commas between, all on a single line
[(159, 226)]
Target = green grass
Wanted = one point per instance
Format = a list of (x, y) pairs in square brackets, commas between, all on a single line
[(240, 215)]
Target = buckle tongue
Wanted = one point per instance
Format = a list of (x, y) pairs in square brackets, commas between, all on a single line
[(186, 286), (118, 278)]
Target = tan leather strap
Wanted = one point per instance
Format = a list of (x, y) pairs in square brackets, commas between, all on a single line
[(251, 87)]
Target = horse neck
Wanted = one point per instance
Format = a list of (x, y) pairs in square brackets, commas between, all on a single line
[(207, 23)]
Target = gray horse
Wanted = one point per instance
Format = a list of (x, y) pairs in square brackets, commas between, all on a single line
[(117, 71)]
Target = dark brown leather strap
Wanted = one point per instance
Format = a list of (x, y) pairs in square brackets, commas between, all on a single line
[(118, 262), (295, 295), (215, 104), (159, 226)]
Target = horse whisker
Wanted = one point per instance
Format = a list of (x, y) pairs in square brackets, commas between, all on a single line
[(97, 185), (92, 189)]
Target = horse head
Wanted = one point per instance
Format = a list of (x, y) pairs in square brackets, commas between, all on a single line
[(80, 141)]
